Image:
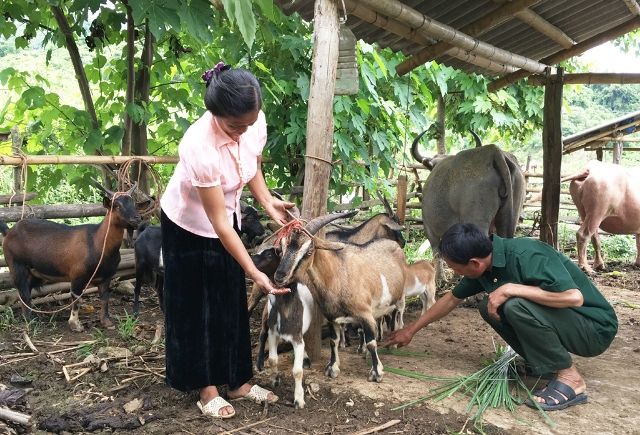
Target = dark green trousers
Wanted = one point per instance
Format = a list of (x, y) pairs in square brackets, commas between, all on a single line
[(545, 336)]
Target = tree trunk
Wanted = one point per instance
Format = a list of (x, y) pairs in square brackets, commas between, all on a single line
[(142, 87), (131, 79), (440, 124)]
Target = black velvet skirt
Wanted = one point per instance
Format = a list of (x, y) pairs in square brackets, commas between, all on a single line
[(207, 327)]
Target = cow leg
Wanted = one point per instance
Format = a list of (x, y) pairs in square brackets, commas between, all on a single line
[(333, 368), (638, 250), (582, 238), (297, 371), (598, 262)]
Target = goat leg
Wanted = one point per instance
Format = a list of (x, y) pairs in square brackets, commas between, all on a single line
[(74, 318), (297, 371), (262, 340), (376, 372), (273, 356), (105, 291), (333, 368)]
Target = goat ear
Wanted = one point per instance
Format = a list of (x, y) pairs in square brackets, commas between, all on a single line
[(330, 246), (394, 226)]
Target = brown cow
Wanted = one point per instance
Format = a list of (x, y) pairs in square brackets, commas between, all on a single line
[(607, 196)]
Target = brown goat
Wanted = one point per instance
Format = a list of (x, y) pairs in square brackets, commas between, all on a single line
[(38, 250)]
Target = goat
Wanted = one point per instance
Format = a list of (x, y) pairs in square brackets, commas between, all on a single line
[(37, 250), (147, 250), (350, 283)]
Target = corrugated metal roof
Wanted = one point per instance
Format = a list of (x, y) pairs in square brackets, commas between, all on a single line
[(579, 19), (623, 125)]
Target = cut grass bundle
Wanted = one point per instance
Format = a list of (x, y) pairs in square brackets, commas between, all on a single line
[(491, 387)]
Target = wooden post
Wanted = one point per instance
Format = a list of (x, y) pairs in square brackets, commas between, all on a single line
[(401, 198), (599, 154), (617, 152), (552, 158), (16, 145), (320, 132)]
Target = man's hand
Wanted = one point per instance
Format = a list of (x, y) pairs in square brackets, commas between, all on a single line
[(401, 337), (496, 298), (266, 286)]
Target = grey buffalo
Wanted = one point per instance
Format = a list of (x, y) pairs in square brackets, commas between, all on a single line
[(483, 185)]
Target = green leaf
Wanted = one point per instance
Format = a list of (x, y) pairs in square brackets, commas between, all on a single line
[(93, 142), (267, 8), (34, 97), (246, 21), (5, 74)]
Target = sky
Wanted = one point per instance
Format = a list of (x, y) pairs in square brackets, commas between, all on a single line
[(609, 58)]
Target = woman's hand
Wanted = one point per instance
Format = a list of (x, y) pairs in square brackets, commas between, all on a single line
[(277, 209), (266, 286)]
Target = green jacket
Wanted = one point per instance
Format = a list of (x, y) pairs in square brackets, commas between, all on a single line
[(532, 262)]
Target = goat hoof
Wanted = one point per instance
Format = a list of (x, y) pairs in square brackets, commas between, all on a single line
[(374, 377), (76, 327), (276, 380), (298, 404), (107, 323), (306, 363), (331, 371)]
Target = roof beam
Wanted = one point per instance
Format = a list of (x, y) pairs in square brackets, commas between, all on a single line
[(633, 6), (546, 28), (473, 29), (431, 28), (400, 29), (576, 50), (589, 79)]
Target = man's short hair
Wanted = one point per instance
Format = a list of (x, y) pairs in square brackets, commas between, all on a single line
[(462, 242)]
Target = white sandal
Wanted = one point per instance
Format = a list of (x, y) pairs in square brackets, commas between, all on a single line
[(259, 395), (213, 407)]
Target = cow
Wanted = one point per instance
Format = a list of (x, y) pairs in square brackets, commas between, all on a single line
[(607, 196), (482, 185)]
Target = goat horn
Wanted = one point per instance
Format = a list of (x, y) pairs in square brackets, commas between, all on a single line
[(130, 191), (101, 188), (314, 225)]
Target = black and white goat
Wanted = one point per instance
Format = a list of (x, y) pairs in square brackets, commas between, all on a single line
[(39, 250)]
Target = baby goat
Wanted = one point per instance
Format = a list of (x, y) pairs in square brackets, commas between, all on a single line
[(39, 250)]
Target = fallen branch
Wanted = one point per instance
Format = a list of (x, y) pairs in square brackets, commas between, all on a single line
[(14, 416), (27, 340), (246, 427), (377, 428)]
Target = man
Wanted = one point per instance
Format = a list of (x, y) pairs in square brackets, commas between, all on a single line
[(539, 302)]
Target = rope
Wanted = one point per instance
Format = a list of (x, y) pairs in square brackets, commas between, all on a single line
[(125, 183), (329, 162)]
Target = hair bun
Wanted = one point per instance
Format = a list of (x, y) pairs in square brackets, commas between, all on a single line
[(216, 70)]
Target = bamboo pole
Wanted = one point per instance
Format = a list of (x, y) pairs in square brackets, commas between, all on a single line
[(474, 29), (546, 28), (633, 6), (86, 160), (400, 29), (590, 79), (429, 27), (401, 199), (576, 50)]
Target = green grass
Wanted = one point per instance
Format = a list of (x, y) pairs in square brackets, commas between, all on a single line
[(7, 317), (127, 326)]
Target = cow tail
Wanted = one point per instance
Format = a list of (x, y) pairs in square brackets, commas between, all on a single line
[(501, 165), (579, 176)]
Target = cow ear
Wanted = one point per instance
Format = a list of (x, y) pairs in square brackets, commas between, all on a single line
[(330, 246)]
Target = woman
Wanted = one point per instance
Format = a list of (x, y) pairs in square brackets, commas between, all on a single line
[(207, 327)]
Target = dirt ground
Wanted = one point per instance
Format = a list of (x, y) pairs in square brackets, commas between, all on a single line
[(457, 345)]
